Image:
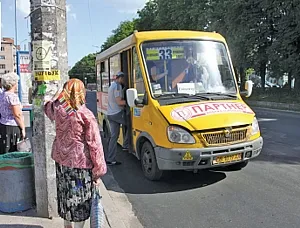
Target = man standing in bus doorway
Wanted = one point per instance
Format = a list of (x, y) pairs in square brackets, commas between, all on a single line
[(116, 116)]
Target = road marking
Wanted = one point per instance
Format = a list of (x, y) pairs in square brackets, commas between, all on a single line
[(266, 120)]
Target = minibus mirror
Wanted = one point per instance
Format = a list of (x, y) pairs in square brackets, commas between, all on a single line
[(248, 89), (132, 97)]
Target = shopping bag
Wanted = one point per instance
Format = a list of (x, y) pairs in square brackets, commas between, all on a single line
[(24, 145), (97, 212)]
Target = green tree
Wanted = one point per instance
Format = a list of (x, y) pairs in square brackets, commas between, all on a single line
[(85, 68), (148, 16), (125, 29), (184, 15), (285, 51), (261, 34), (227, 18)]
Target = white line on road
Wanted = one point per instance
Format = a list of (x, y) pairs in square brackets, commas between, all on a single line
[(266, 120)]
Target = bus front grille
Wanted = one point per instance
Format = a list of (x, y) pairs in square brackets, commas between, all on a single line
[(224, 137)]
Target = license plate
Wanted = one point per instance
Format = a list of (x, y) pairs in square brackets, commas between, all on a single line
[(227, 159)]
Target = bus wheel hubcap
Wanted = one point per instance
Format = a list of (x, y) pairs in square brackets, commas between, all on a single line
[(147, 161)]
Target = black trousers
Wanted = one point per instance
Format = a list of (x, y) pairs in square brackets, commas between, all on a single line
[(9, 137)]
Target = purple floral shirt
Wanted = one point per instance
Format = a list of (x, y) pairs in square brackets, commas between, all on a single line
[(8, 99)]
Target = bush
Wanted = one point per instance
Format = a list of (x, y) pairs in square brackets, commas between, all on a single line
[(279, 95)]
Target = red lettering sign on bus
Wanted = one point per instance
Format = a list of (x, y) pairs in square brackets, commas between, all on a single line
[(197, 110)]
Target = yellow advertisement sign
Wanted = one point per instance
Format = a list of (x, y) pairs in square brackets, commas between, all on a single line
[(178, 53), (152, 54), (52, 75)]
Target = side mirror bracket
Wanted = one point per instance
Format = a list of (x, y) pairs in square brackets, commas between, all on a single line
[(139, 103), (248, 89)]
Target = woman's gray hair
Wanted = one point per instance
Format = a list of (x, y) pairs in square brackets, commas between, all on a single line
[(9, 80)]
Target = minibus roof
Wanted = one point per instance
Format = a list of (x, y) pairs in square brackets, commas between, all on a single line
[(139, 37)]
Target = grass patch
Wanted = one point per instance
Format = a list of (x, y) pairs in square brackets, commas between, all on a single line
[(277, 95)]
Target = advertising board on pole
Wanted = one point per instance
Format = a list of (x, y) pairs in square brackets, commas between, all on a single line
[(24, 72), (41, 55)]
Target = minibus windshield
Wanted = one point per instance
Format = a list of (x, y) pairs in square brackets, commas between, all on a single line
[(188, 67)]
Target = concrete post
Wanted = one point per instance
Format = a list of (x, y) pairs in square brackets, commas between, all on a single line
[(50, 71)]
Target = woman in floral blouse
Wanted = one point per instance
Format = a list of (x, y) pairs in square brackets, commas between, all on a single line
[(77, 151), (12, 126)]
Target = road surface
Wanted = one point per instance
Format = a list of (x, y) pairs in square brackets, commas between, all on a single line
[(264, 194)]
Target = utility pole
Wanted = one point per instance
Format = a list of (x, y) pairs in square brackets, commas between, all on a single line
[(50, 71)]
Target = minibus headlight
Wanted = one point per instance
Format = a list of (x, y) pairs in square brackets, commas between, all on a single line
[(179, 135), (255, 126)]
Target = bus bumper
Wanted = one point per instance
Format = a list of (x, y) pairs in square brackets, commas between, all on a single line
[(203, 158)]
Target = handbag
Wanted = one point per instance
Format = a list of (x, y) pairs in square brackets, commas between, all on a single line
[(97, 212), (24, 145)]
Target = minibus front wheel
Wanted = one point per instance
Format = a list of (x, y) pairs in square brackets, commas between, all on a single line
[(149, 163)]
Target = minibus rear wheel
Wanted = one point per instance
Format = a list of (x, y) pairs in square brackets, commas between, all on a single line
[(149, 163)]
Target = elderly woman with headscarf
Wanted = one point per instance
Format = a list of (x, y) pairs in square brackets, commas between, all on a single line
[(77, 151), (12, 127)]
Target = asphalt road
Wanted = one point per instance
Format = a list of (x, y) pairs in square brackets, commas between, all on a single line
[(264, 194), (91, 101)]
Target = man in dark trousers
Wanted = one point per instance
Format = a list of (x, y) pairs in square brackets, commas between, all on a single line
[(116, 115)]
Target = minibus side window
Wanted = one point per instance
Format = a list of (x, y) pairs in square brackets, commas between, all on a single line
[(104, 77), (138, 80), (102, 69), (114, 67), (98, 76)]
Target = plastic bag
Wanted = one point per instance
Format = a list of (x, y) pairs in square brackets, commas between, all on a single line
[(97, 211), (24, 145)]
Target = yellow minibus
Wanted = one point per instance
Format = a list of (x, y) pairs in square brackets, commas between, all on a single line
[(186, 109)]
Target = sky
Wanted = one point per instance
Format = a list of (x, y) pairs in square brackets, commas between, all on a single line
[(89, 22)]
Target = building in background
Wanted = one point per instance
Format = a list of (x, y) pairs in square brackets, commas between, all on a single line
[(8, 56)]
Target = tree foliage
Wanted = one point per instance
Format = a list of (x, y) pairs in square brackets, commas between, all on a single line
[(261, 34), (84, 68), (125, 29)]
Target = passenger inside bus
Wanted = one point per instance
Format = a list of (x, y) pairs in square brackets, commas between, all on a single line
[(173, 71), (158, 72)]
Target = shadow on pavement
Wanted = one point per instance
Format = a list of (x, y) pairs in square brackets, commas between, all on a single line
[(19, 226), (129, 178)]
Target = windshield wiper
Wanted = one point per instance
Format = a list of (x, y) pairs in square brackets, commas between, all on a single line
[(172, 95), (200, 96), (183, 95), (218, 94)]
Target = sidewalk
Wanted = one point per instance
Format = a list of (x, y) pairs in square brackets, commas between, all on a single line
[(117, 208), (28, 219), (16, 221)]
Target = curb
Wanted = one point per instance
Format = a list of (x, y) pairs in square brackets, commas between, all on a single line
[(110, 209), (118, 209), (274, 105)]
